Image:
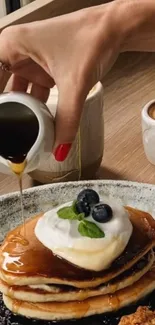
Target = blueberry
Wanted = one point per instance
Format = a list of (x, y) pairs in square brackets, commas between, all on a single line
[(102, 212), (89, 196), (83, 206)]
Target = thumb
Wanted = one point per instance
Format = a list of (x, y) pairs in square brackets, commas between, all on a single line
[(69, 110)]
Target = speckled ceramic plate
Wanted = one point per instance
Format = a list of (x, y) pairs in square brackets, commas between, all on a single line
[(42, 198)]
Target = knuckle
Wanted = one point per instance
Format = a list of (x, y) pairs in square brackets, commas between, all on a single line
[(9, 34), (10, 39)]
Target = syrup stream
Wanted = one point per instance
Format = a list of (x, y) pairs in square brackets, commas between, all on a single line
[(18, 170), (21, 203)]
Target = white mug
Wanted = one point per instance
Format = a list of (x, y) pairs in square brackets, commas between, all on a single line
[(86, 153), (148, 131), (42, 148)]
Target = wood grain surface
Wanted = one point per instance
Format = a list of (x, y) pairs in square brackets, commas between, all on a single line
[(128, 87)]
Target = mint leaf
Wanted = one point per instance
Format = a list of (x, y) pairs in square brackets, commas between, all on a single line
[(81, 216), (90, 229), (74, 207), (68, 213)]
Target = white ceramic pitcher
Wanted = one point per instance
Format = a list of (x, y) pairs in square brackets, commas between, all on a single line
[(86, 153), (42, 148)]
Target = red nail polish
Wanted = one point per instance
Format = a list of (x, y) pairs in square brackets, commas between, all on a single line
[(61, 152)]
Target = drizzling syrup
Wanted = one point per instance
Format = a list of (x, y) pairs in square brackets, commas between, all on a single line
[(21, 202), (18, 169), (19, 129)]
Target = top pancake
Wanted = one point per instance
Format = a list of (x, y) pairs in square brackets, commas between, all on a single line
[(25, 262), (62, 293)]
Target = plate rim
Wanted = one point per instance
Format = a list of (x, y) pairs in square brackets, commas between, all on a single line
[(40, 188)]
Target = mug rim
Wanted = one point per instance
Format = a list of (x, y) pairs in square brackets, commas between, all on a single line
[(98, 87), (145, 115)]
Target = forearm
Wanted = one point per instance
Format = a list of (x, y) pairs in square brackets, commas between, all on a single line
[(131, 22), (137, 23)]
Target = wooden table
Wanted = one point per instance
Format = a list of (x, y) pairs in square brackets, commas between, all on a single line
[(128, 86)]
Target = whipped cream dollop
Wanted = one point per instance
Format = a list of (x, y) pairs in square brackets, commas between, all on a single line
[(61, 236)]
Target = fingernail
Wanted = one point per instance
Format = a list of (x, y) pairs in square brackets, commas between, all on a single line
[(61, 152)]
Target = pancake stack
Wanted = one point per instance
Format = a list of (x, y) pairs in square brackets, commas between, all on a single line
[(37, 284)]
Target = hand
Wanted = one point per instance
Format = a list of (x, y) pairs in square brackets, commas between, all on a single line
[(73, 51)]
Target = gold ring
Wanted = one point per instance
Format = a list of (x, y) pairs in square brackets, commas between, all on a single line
[(4, 66)]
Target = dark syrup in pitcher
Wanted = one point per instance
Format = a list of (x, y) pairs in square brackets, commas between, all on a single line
[(19, 129)]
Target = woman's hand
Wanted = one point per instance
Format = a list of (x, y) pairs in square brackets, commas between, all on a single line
[(72, 51)]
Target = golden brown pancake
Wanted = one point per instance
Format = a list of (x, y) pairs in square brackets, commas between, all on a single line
[(91, 306), (45, 293), (27, 261)]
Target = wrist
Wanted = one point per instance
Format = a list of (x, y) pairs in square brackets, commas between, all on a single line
[(137, 24), (106, 18)]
